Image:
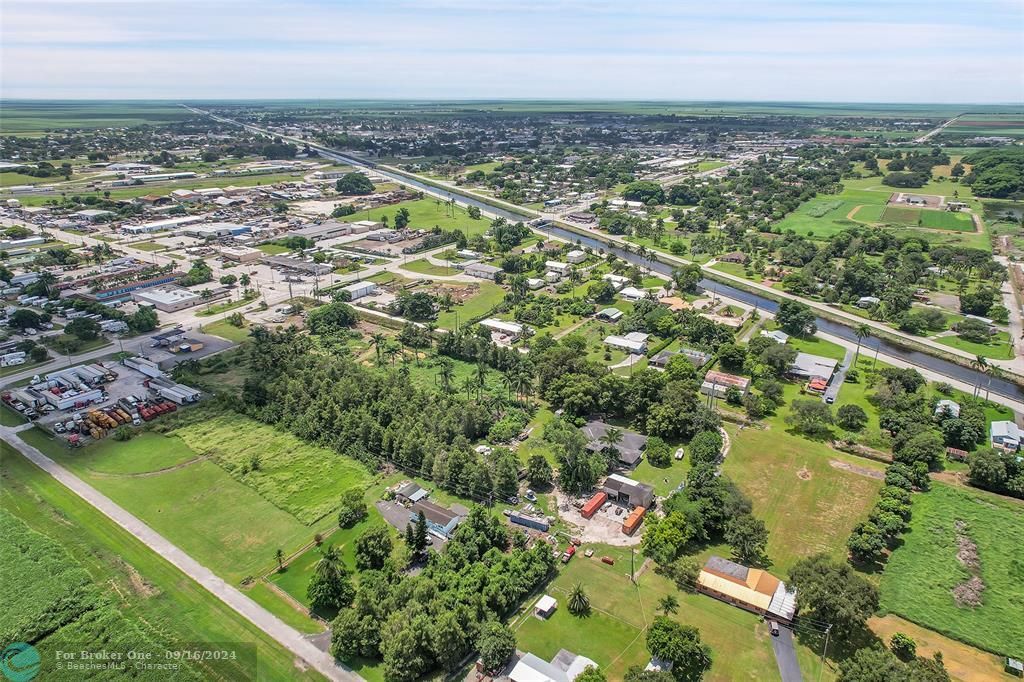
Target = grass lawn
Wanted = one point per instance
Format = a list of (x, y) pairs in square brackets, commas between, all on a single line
[(808, 505), (224, 307), (199, 507), (425, 267), (302, 479), (664, 480), (947, 220), (613, 635), (226, 330), (147, 246), (921, 574), (150, 591), (273, 249), (425, 214), (295, 578), (489, 296), (818, 346), (998, 348)]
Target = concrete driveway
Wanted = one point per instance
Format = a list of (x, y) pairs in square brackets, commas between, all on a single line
[(838, 378), (785, 655)]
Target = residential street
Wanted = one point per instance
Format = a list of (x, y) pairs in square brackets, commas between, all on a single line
[(285, 635)]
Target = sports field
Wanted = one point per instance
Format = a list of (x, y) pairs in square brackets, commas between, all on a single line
[(960, 570)]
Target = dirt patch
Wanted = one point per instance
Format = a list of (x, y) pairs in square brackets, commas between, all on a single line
[(803, 474), (853, 212), (854, 469), (140, 585), (968, 593)]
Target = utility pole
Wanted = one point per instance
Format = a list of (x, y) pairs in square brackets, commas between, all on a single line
[(824, 651), (632, 573)]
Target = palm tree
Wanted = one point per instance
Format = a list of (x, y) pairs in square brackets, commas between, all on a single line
[(467, 386), (612, 437), (994, 372), (579, 602), (47, 279), (861, 331), (981, 365), (279, 555), (329, 565), (392, 351), (481, 378), (245, 281), (378, 340), (508, 381), (668, 604), (446, 374)]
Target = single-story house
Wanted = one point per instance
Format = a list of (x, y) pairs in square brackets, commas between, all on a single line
[(777, 336), (564, 667), (807, 366), (957, 455), (410, 493), (734, 257), (482, 270), (632, 293), (633, 342), (719, 383), (617, 281), (674, 303), (576, 256), (696, 357), (915, 200), (631, 447), (440, 521), (1005, 435), (946, 405), (609, 314), (535, 283), (628, 492), (751, 589), (556, 266), (868, 301), (510, 330)]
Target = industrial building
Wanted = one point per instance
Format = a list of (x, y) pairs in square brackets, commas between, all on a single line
[(168, 299), (240, 254), (216, 230), (751, 589), (628, 492), (162, 225), (357, 290)]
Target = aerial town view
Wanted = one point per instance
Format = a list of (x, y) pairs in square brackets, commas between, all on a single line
[(511, 341)]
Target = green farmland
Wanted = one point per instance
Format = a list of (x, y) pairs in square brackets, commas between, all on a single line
[(956, 535), (37, 117)]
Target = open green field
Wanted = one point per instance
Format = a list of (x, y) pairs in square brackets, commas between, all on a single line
[(223, 523), (301, 479), (808, 503), (225, 330), (28, 116), (613, 634), (11, 179), (917, 217), (998, 347), (426, 214), (149, 591), (489, 296), (424, 267), (920, 577)]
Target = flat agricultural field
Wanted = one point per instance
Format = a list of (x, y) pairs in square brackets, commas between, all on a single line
[(808, 495), (613, 634), (960, 570), (37, 116), (150, 592), (426, 214), (302, 479), (930, 219), (192, 502)]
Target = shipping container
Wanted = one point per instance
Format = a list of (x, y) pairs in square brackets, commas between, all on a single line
[(529, 521), (593, 504), (634, 520)]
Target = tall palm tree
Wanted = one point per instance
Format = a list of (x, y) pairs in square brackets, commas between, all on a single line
[(508, 381), (994, 372), (378, 340), (392, 351), (447, 372), (981, 365), (481, 378), (668, 604), (329, 565), (861, 331), (579, 602), (279, 555), (467, 385)]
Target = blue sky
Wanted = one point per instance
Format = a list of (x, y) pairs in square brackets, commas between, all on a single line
[(820, 50)]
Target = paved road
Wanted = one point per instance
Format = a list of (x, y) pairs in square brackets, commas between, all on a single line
[(935, 131), (285, 635), (785, 656)]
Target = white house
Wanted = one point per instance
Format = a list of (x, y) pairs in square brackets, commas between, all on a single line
[(946, 405), (617, 281), (556, 266), (868, 301), (1005, 435), (632, 294), (777, 336), (576, 256), (535, 283), (633, 342)]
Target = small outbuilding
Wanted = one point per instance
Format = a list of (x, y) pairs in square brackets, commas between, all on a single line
[(545, 606)]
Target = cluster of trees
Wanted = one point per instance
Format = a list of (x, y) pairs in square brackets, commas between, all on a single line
[(997, 173), (899, 663), (354, 184), (430, 621), (374, 416), (709, 509), (890, 515), (998, 471), (199, 273)]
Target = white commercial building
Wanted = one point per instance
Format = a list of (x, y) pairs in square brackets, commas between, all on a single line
[(360, 289), (167, 299)]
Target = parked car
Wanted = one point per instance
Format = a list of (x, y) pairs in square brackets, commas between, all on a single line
[(773, 628)]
